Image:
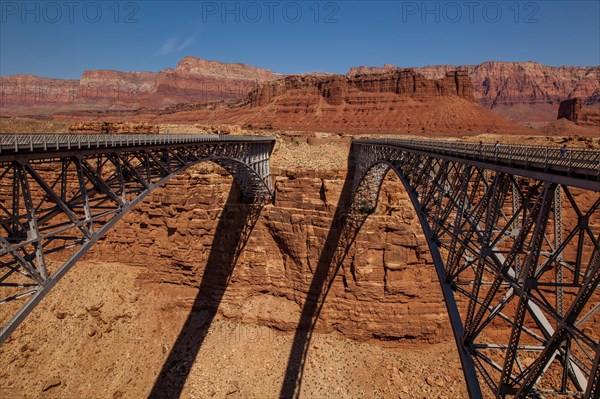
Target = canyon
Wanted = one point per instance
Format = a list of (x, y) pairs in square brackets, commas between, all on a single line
[(165, 276), (163, 302)]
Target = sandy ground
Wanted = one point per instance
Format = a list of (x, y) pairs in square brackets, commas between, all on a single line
[(103, 333)]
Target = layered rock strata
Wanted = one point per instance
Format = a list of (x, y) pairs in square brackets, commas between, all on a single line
[(385, 291)]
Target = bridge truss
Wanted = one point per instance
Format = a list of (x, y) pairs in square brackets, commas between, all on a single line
[(514, 235), (59, 194)]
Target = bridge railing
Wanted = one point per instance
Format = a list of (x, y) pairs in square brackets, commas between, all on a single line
[(48, 142), (586, 159)]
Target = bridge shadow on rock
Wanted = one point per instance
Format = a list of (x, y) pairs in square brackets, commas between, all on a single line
[(344, 228), (236, 223)]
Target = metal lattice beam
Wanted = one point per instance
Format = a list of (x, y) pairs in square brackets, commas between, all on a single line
[(517, 263), (59, 194)]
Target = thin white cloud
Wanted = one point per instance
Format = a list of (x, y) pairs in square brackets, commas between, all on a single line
[(173, 44), (167, 47), (187, 42)]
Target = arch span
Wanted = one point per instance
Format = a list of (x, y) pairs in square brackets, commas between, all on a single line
[(55, 206), (518, 262)]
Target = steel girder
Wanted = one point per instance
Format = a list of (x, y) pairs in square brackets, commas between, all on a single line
[(55, 203), (518, 261)]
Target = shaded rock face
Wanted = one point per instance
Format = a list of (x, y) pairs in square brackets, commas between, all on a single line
[(386, 289), (575, 111), (569, 109), (509, 83)]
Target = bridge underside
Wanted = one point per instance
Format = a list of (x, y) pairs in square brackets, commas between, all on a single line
[(54, 207), (518, 260)]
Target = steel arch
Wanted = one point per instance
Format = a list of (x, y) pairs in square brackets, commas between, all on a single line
[(54, 205), (493, 255)]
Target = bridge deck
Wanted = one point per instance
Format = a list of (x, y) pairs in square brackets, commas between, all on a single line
[(579, 167), (36, 146)]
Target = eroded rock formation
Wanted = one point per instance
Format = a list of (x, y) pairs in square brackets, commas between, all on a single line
[(193, 80), (113, 127), (338, 89), (386, 290), (509, 83), (401, 101), (574, 111), (29, 90), (494, 85), (569, 109)]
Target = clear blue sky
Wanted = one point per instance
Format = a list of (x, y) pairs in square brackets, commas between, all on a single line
[(63, 38)]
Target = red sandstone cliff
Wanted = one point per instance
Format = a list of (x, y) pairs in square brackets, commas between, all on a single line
[(29, 90), (495, 84), (398, 101), (338, 89), (116, 86), (508, 83), (193, 80), (386, 283), (525, 93), (574, 111)]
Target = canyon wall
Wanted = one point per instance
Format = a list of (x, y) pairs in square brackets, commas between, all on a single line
[(386, 289), (338, 89), (29, 90), (396, 102), (494, 85), (510, 83), (193, 80)]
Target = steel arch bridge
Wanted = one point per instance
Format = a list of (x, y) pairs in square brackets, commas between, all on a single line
[(513, 232), (60, 193)]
